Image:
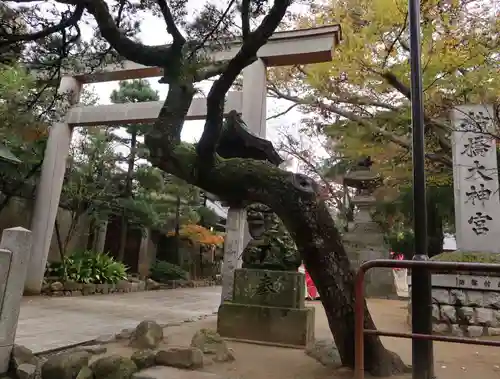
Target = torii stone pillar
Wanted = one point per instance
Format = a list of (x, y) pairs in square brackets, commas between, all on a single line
[(48, 191), (254, 115)]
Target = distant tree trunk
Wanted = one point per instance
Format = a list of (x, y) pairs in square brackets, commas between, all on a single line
[(92, 235), (177, 236), (314, 232), (127, 194)]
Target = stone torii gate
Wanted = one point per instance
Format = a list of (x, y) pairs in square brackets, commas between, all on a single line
[(283, 48)]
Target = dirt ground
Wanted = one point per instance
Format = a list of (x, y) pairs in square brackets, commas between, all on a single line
[(452, 361)]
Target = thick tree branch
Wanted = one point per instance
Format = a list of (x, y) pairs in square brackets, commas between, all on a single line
[(245, 18), (172, 28), (165, 136), (63, 24), (126, 47), (129, 49), (216, 97)]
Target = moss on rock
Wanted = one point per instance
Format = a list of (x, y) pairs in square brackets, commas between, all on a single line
[(473, 257)]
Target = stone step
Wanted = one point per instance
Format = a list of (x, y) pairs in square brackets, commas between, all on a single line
[(166, 372)]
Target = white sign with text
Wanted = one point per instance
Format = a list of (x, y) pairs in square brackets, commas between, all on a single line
[(475, 176)]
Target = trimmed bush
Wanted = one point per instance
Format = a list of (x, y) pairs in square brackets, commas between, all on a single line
[(163, 271)]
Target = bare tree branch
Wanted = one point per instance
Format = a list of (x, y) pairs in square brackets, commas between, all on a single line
[(208, 35), (63, 24), (400, 141), (129, 49), (279, 114), (245, 18)]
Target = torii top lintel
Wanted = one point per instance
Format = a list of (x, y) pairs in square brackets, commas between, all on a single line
[(304, 46)]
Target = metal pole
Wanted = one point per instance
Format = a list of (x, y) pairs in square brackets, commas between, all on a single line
[(421, 305)]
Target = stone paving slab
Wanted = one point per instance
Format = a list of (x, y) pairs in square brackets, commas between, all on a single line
[(163, 372), (47, 323)]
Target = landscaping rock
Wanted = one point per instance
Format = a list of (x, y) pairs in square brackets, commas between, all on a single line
[(224, 354), (147, 335), (144, 358), (88, 289), (152, 285), (72, 286), (207, 340), (92, 349), (106, 338), (123, 286), (113, 367), (325, 351), (26, 371), (65, 365), (22, 355), (56, 286), (85, 373), (181, 357), (125, 334), (210, 342)]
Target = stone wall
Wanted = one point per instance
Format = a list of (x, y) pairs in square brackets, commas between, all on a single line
[(57, 288), (19, 212), (466, 305)]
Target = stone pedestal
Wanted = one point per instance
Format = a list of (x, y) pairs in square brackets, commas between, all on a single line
[(365, 242), (267, 307)]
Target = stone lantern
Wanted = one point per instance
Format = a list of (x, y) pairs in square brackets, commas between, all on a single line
[(365, 241)]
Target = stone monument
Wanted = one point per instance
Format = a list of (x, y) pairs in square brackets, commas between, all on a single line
[(15, 247), (365, 241), (268, 298)]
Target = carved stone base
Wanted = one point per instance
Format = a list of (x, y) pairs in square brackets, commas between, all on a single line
[(267, 307), (270, 325), (270, 288)]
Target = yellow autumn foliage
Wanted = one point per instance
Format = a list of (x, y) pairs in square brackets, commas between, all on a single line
[(370, 114)]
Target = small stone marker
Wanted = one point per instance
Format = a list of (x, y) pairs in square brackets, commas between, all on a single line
[(15, 248)]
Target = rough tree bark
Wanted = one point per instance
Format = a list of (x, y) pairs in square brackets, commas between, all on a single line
[(295, 199)]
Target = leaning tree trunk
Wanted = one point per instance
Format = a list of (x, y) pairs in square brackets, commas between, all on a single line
[(311, 225), (295, 199)]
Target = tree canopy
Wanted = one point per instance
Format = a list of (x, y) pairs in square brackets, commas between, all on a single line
[(361, 98)]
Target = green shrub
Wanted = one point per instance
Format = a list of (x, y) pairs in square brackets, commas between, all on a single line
[(163, 271), (88, 267), (460, 256)]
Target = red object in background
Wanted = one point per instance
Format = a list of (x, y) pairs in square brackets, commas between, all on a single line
[(397, 256), (311, 291)]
